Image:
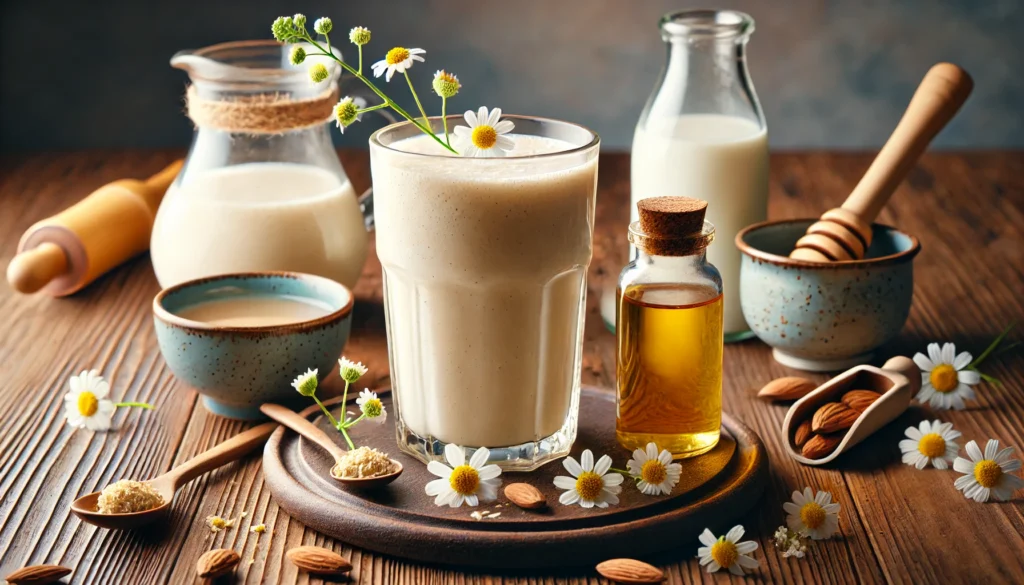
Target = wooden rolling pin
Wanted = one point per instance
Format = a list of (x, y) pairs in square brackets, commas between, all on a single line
[(61, 254), (844, 233)]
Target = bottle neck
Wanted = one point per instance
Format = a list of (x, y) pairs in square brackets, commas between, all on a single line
[(690, 261)]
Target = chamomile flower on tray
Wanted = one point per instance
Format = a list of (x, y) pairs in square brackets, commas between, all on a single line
[(655, 472), (726, 552), (591, 484), (461, 482), (813, 514)]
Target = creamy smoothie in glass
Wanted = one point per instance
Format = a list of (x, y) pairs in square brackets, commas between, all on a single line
[(485, 263)]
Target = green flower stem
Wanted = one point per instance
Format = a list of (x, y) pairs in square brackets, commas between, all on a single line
[(416, 97), (360, 59), (991, 347), (138, 404), (380, 94), (622, 471), (344, 405), (372, 108), (352, 423), (334, 423), (444, 120), (351, 445)]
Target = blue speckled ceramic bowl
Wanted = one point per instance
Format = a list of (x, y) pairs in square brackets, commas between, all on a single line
[(824, 316), (238, 368)]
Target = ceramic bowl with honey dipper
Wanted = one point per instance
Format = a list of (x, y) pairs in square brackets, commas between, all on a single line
[(825, 293)]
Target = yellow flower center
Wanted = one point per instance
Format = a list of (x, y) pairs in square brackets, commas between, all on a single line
[(932, 445), (944, 378), (589, 485), (464, 480), (396, 55), (812, 515), (373, 408), (88, 404), (484, 137), (653, 472), (724, 552), (987, 473), (447, 77)]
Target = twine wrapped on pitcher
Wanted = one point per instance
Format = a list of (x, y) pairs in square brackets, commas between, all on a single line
[(261, 113)]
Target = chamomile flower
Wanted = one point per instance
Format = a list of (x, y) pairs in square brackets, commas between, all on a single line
[(812, 514), (305, 384), (359, 35), (397, 60), (351, 371), (485, 135), (471, 483), (945, 383), (656, 472), (590, 485), (988, 473), (371, 406), (726, 552), (931, 442), (446, 84), (86, 406), (318, 72)]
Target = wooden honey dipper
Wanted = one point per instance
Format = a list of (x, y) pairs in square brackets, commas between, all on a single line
[(844, 233), (61, 254)]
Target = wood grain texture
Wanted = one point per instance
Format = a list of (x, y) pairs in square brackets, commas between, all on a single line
[(898, 524)]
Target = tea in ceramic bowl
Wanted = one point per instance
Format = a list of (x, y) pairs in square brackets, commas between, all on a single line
[(240, 339), (824, 316)]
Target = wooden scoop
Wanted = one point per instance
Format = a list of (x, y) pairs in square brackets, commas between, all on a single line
[(168, 483), (310, 431), (897, 381), (844, 233)]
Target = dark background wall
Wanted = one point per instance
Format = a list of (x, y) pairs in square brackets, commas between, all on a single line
[(836, 74)]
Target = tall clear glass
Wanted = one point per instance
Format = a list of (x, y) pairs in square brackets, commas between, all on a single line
[(485, 263), (702, 134)]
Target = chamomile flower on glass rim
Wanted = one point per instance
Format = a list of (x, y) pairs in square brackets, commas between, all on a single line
[(655, 471), (591, 484), (485, 135), (461, 482), (306, 384), (351, 371), (398, 59), (812, 514), (86, 406), (930, 442), (727, 551), (945, 383), (989, 473), (371, 406)]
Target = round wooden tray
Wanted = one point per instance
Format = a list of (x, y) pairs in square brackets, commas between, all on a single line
[(401, 520)]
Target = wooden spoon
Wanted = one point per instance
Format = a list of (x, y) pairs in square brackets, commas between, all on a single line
[(168, 483), (844, 233), (308, 430)]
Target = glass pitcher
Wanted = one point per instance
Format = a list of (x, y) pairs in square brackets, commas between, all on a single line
[(262, 187), (702, 134)]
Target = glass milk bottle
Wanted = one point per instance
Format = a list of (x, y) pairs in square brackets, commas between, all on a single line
[(702, 134)]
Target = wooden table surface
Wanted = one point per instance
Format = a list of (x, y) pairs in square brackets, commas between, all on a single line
[(897, 524)]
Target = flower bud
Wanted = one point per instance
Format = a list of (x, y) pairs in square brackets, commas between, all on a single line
[(446, 84), (298, 55), (346, 113), (300, 21), (319, 72), (359, 35), (283, 29), (323, 25)]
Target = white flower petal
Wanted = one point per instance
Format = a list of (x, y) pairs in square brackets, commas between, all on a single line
[(1011, 465), (735, 534), (963, 465), (439, 469), (479, 457), (968, 377), (963, 482), (572, 466), (504, 127), (505, 143), (481, 115), (914, 433), (934, 353), (948, 353), (472, 500), (961, 361), (569, 498), (974, 452), (564, 483), (492, 119), (603, 465), (748, 562), (613, 479), (923, 362), (587, 460), (489, 472), (437, 486), (991, 448), (455, 455)]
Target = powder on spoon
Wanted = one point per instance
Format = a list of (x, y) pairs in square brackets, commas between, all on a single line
[(363, 462), (127, 496)]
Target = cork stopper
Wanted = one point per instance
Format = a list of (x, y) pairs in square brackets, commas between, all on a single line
[(672, 226)]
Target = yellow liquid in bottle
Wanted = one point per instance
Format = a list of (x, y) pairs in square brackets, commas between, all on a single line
[(669, 368)]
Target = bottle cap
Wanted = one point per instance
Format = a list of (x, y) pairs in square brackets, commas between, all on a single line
[(672, 226)]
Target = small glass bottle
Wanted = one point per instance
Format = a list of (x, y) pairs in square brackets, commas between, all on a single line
[(669, 328), (703, 134)]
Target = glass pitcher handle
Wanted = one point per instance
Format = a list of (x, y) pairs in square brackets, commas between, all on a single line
[(361, 95)]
